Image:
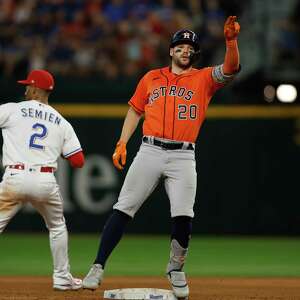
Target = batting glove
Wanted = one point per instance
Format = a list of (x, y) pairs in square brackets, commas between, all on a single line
[(231, 28), (120, 154)]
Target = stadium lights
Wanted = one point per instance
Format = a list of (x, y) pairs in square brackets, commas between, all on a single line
[(269, 93), (286, 93)]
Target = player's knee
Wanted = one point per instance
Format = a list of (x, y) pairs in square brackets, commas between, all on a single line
[(182, 211), (57, 231)]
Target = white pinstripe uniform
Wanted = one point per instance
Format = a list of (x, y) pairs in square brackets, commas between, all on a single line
[(34, 136)]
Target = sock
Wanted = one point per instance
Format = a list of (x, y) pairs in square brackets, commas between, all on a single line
[(181, 233), (111, 235), (181, 230)]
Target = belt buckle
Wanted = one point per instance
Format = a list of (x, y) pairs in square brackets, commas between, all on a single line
[(163, 145)]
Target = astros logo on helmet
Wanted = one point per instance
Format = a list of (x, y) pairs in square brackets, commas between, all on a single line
[(185, 36)]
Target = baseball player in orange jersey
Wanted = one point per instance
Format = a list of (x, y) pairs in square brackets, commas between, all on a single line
[(173, 101), (34, 136)]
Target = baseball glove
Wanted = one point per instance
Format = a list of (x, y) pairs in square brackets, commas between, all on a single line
[(120, 154), (231, 28)]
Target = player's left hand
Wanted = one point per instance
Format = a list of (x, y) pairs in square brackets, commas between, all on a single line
[(231, 28), (120, 154)]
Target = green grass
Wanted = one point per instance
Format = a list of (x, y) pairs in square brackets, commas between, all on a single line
[(28, 254)]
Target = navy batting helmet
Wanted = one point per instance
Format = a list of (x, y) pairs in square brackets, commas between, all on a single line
[(185, 36)]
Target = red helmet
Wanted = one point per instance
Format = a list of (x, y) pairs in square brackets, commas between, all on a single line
[(39, 78)]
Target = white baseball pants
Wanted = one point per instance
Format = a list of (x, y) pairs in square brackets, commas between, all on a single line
[(176, 167), (42, 191)]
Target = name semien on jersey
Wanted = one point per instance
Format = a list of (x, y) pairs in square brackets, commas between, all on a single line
[(41, 115)]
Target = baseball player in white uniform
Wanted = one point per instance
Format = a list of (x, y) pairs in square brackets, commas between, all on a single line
[(34, 136)]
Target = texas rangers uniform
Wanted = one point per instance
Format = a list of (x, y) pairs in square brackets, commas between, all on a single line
[(34, 136)]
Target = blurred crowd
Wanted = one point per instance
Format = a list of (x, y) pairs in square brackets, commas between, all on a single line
[(108, 38), (287, 41)]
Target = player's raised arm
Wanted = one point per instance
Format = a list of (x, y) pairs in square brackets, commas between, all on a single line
[(225, 72), (232, 57)]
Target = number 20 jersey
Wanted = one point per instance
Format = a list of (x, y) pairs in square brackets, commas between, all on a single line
[(174, 105), (35, 134)]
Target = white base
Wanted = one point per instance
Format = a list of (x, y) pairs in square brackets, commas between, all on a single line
[(140, 294)]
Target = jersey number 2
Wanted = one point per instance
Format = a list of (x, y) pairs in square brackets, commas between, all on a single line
[(39, 135)]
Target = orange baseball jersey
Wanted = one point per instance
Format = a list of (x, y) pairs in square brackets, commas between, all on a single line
[(175, 105)]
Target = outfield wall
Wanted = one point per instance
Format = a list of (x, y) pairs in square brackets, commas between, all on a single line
[(248, 166)]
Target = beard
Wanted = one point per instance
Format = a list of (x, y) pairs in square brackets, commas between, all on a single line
[(182, 65)]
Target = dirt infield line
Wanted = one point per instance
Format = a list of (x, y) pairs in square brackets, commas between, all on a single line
[(40, 288)]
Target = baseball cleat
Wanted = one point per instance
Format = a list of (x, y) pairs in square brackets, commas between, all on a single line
[(179, 284), (74, 284), (94, 277)]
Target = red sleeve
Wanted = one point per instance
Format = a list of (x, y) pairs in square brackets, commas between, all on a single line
[(140, 97), (76, 160), (232, 58)]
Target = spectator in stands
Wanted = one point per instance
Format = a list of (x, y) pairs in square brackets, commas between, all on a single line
[(107, 38), (287, 41)]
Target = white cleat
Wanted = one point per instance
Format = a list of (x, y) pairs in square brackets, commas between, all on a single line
[(71, 284), (94, 277), (179, 284)]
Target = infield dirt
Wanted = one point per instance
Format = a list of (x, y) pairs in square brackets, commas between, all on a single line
[(40, 288)]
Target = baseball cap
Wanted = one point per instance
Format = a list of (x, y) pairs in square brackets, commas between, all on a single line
[(39, 78)]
